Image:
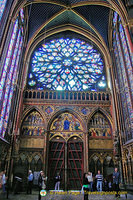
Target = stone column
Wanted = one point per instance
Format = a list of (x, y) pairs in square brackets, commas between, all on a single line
[(66, 169)]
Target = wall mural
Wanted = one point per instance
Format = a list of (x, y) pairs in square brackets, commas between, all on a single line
[(66, 125), (66, 122), (33, 125), (99, 126)]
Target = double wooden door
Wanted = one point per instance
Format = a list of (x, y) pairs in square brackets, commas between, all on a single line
[(67, 159)]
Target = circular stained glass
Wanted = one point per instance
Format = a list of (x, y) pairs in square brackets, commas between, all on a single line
[(66, 64)]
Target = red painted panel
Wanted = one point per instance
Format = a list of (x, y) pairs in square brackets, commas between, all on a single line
[(56, 163), (75, 165)]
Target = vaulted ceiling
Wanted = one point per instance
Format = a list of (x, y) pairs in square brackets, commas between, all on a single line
[(90, 16)]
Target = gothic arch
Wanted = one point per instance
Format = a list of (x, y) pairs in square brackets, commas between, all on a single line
[(30, 109), (69, 111), (104, 112), (37, 154), (101, 45), (94, 155), (55, 136)]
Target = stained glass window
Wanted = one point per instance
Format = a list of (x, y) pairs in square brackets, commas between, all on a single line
[(7, 60), (127, 56), (123, 68), (115, 18), (9, 74), (2, 7), (67, 64)]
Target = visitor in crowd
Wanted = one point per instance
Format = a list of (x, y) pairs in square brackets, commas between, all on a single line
[(30, 182), (1, 173), (105, 185), (85, 186), (99, 178), (110, 186), (17, 184), (57, 181), (4, 178), (41, 183), (90, 181), (116, 181)]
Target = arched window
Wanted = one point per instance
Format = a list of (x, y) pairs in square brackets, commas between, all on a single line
[(66, 64), (98, 165), (126, 52), (124, 72), (105, 168), (9, 72), (2, 7), (32, 165), (20, 162), (92, 166), (39, 165)]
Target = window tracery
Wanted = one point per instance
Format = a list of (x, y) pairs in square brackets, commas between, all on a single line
[(9, 72), (67, 64)]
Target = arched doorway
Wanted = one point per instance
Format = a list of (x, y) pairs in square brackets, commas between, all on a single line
[(67, 159), (66, 151)]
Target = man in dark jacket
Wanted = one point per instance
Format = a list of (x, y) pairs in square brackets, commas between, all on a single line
[(116, 181)]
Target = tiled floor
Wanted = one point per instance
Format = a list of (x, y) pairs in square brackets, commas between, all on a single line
[(64, 196)]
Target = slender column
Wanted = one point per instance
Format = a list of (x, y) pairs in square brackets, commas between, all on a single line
[(132, 169), (86, 153), (66, 170), (123, 166), (129, 38), (101, 166), (130, 172), (48, 94), (44, 153), (130, 166), (127, 181)]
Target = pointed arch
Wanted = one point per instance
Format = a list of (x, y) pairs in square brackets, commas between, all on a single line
[(30, 109), (33, 122), (67, 110), (105, 114), (96, 155), (57, 137)]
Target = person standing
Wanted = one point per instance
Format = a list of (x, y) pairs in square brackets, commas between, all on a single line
[(85, 186), (116, 181), (105, 185), (57, 182), (41, 183), (30, 182), (90, 181), (99, 178), (1, 173), (4, 178)]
